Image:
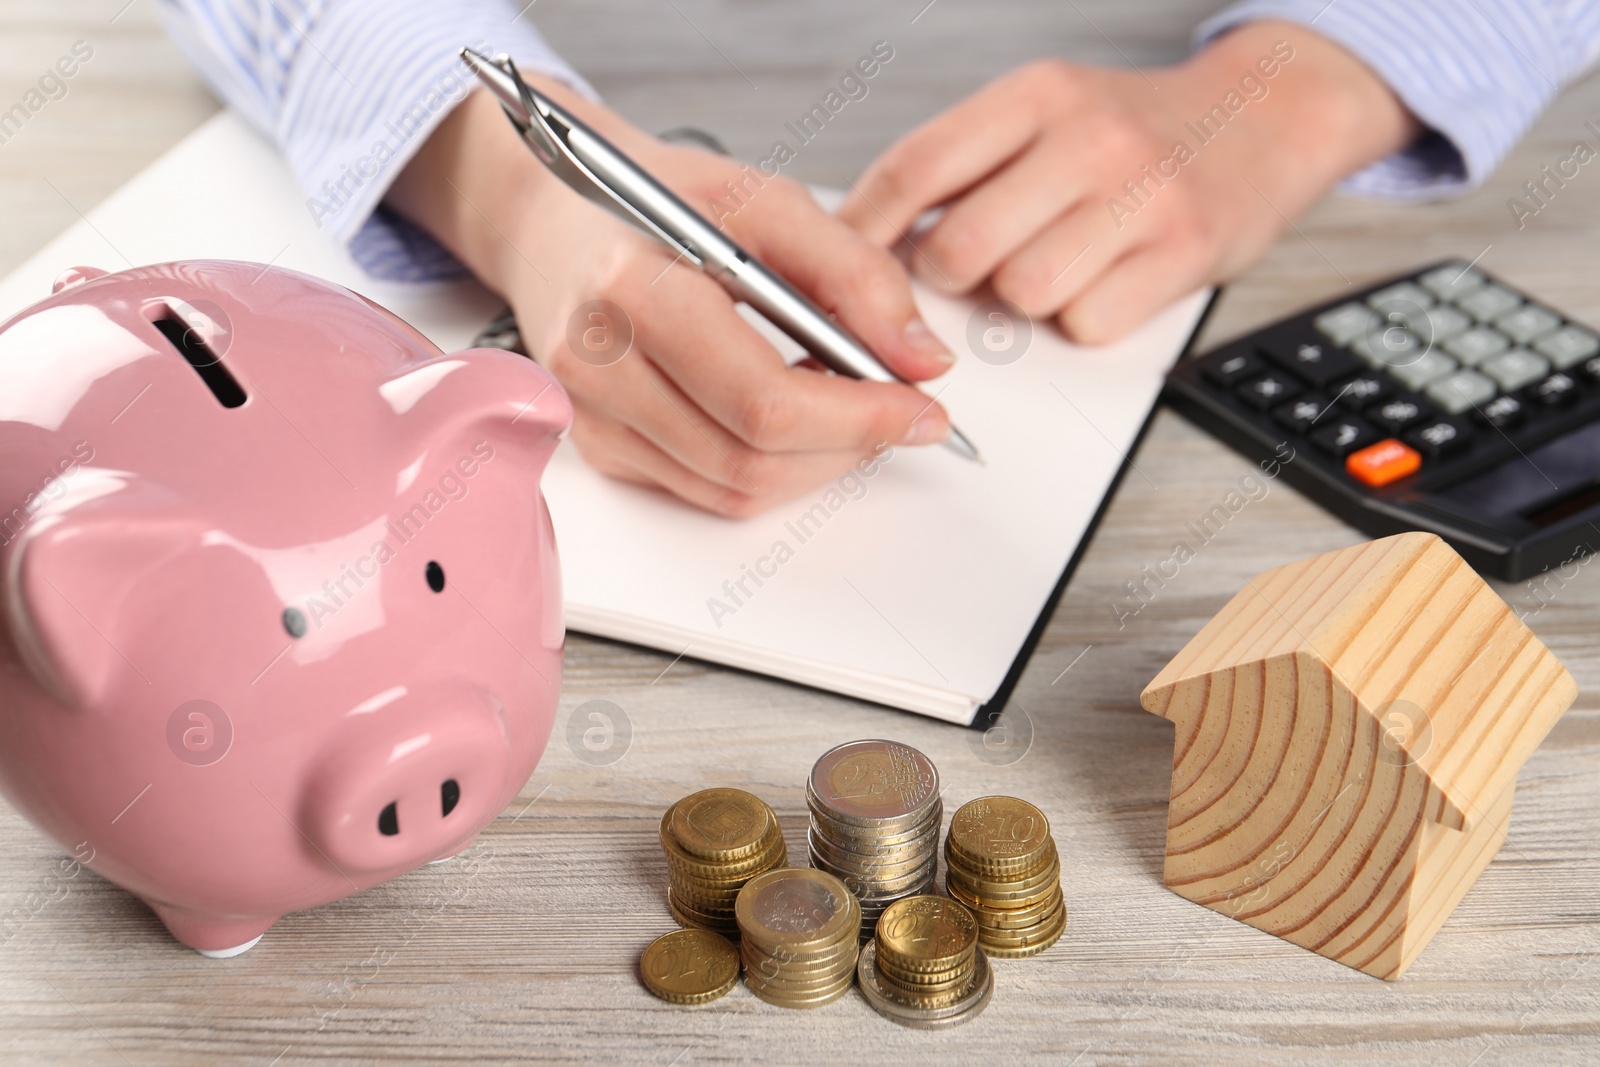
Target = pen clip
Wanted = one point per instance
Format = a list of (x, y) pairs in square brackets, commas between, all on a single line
[(550, 144)]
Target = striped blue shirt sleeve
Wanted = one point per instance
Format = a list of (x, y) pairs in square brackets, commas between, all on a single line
[(1475, 73), (349, 90)]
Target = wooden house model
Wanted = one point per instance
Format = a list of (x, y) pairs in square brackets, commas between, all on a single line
[(1348, 734)]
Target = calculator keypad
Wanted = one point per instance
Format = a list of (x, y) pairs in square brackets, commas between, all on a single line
[(1415, 372)]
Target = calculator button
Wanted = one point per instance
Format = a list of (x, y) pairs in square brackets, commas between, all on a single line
[(1303, 412), (1556, 391), (1526, 323), (1317, 363), (1440, 437), (1462, 390), (1488, 302), (1343, 436), (1477, 345), (1345, 323), (1391, 344), (1503, 412), (1387, 461), (1568, 345), (1452, 281), (1361, 391), (1225, 369), (1514, 369), (1419, 370), (1269, 389), (1444, 322), (1402, 293), (1397, 413)]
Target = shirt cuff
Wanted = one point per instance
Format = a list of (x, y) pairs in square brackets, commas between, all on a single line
[(372, 82), (1475, 85)]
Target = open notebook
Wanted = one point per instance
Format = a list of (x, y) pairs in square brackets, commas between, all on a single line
[(918, 585)]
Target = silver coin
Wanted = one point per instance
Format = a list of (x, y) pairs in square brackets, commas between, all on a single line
[(875, 783)]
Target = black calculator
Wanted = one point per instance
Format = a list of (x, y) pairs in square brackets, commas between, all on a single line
[(1443, 400)]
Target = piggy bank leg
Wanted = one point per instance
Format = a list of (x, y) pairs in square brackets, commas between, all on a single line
[(211, 935)]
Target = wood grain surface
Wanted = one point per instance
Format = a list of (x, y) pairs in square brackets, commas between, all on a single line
[(525, 948), (1349, 729)]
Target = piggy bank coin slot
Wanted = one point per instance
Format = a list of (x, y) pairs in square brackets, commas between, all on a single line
[(206, 363), (389, 820), (449, 795)]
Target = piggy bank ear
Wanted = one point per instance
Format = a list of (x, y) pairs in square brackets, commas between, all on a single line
[(67, 578), (507, 397)]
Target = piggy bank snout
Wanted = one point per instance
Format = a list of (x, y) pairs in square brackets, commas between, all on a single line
[(408, 784)]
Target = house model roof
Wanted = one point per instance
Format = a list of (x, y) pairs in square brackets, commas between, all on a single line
[(1421, 643)]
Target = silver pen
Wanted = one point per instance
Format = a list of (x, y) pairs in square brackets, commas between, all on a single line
[(598, 171)]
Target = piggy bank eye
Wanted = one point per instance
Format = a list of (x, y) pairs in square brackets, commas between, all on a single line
[(435, 577), (294, 622)]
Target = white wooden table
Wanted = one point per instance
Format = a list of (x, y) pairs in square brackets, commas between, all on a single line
[(526, 950)]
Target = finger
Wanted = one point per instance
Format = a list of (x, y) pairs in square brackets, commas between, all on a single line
[(1000, 215), (1133, 290), (694, 335), (1060, 262), (940, 158), (863, 285), (620, 451)]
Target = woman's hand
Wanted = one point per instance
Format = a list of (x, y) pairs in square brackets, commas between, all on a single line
[(700, 404), (1099, 196)]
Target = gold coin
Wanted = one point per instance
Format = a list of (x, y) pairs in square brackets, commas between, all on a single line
[(1016, 918), (681, 859), (692, 904), (920, 982), (689, 915), (770, 962), (798, 982), (998, 835), (1046, 866), (796, 906), (926, 933), (689, 966), (806, 999), (988, 896), (1036, 943), (875, 782), (721, 824)]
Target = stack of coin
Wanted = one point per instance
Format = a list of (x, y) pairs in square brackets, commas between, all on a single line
[(1002, 863), (924, 967), (875, 817), (799, 944), (716, 840)]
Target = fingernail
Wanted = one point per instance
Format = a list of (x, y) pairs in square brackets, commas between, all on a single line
[(922, 340), (927, 431)]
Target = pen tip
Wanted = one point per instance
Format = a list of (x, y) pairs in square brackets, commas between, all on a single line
[(959, 443)]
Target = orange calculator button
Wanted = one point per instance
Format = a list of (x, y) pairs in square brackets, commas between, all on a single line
[(1387, 461)]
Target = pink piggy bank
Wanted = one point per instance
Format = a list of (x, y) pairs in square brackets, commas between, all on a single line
[(282, 610)]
